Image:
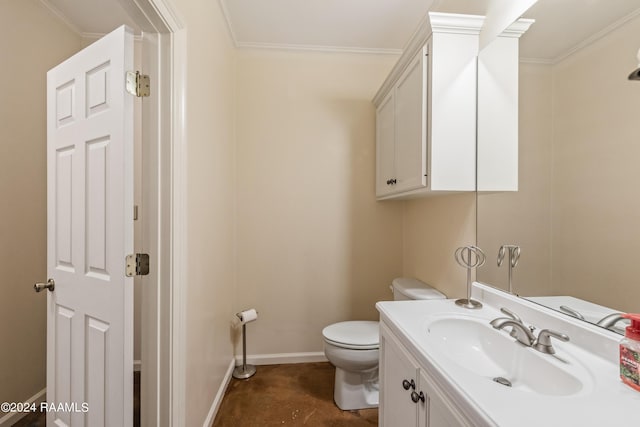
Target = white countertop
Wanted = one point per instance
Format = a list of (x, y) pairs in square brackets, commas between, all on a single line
[(592, 352)]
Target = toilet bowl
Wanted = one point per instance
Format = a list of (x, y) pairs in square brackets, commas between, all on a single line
[(353, 348)]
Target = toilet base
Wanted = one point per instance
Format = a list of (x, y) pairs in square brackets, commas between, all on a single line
[(356, 390)]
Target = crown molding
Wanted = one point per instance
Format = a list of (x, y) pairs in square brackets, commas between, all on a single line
[(539, 61), (597, 36), (455, 23), (55, 12), (314, 48), (227, 18), (518, 28)]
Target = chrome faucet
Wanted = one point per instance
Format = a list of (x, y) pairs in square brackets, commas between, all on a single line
[(512, 316), (518, 330), (609, 320), (524, 334)]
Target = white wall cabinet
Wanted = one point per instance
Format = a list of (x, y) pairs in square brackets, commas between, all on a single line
[(401, 132), (442, 102), (426, 112), (408, 395), (385, 145)]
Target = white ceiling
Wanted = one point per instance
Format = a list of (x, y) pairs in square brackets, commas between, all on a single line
[(386, 25), (380, 25), (370, 25)]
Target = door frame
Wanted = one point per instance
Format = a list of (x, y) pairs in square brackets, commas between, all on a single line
[(163, 338)]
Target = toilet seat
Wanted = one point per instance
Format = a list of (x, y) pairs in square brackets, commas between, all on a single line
[(354, 335)]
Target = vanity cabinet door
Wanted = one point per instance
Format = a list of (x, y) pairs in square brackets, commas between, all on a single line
[(439, 413), (408, 395), (398, 378)]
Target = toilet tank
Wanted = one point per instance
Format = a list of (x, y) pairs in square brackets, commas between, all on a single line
[(404, 288)]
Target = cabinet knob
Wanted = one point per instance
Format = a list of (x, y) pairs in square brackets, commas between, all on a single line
[(393, 181), (407, 385), (417, 397), (388, 182)]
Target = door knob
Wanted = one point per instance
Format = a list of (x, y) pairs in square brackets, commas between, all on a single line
[(51, 285)]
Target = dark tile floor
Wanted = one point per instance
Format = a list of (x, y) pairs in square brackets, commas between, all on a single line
[(38, 419), (294, 395)]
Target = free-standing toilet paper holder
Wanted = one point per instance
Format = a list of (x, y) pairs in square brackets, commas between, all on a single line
[(244, 371)]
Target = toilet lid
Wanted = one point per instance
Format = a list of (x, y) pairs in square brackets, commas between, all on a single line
[(415, 289), (358, 333)]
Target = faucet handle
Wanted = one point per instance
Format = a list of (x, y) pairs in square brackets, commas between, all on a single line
[(511, 314), (543, 343)]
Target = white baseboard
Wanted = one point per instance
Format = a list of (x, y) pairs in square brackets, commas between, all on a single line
[(283, 358), (13, 417), (219, 395), (137, 364)]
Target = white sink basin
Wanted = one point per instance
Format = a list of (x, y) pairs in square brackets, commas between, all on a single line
[(476, 347)]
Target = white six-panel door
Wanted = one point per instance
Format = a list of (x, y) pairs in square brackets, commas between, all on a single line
[(89, 233)]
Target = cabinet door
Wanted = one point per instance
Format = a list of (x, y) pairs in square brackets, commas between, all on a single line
[(411, 125), (438, 411), (396, 366), (385, 146)]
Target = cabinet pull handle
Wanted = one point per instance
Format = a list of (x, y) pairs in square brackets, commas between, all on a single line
[(407, 385), (417, 397)]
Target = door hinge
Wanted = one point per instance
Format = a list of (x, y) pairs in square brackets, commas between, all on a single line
[(138, 84), (137, 265)]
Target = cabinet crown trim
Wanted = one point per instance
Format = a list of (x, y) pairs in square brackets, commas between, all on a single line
[(518, 28), (455, 23)]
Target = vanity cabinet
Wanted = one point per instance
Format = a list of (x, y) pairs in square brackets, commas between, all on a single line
[(408, 395)]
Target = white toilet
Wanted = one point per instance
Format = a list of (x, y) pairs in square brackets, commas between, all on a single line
[(352, 347)]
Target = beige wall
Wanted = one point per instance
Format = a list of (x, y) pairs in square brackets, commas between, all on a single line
[(31, 42), (313, 245), (433, 228), (595, 172), (210, 66), (524, 217)]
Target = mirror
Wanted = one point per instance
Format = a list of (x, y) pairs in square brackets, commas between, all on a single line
[(576, 214)]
